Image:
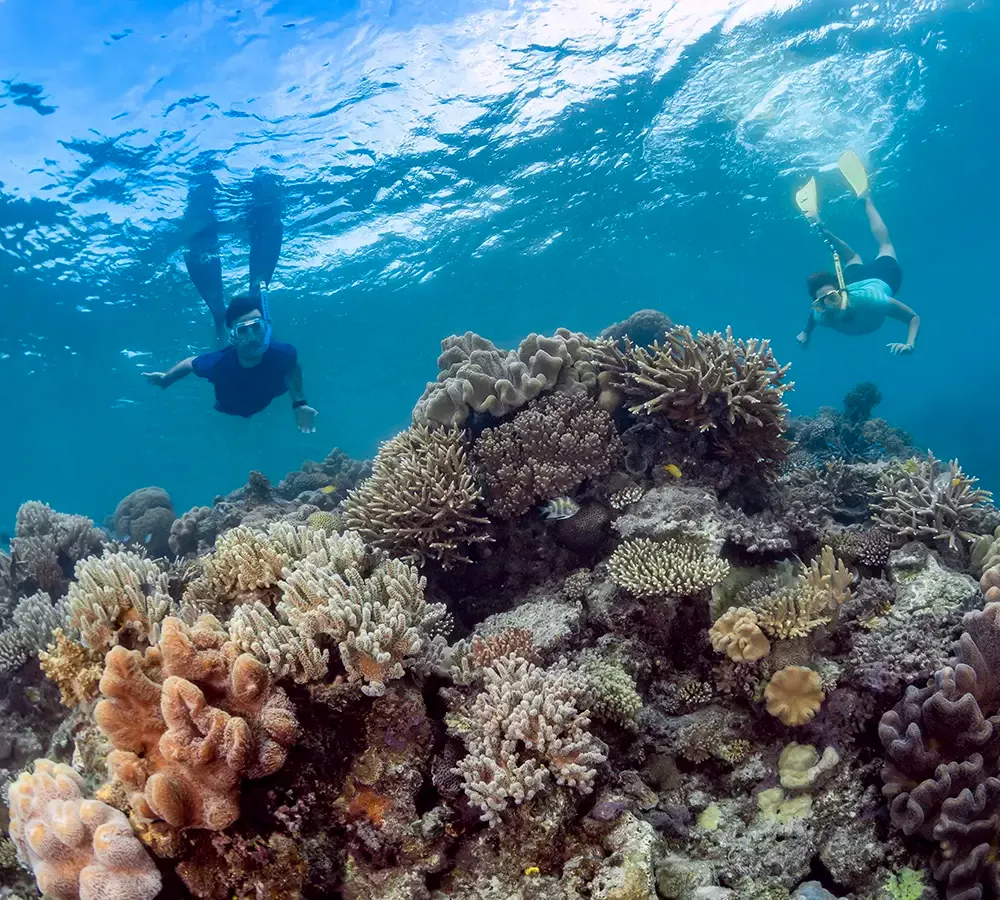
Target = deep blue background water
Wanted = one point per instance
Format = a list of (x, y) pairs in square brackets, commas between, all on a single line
[(501, 167)]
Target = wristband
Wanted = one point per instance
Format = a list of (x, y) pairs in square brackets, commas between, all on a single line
[(298, 403)]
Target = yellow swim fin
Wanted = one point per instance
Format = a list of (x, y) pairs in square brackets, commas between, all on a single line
[(853, 170), (808, 201)]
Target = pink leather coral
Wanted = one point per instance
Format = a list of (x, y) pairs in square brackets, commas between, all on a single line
[(78, 849), (188, 721)]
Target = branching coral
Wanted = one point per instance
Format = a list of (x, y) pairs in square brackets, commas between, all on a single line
[(670, 568), (942, 771), (528, 727), (255, 630), (794, 695), (737, 634), (421, 499), (35, 619), (476, 376), (244, 560), (78, 849), (188, 720), (117, 591), (379, 619), (547, 450), (47, 544), (74, 669), (921, 500)]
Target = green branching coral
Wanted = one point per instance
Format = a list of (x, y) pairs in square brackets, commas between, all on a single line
[(421, 500), (921, 499), (671, 568), (610, 692), (907, 884)]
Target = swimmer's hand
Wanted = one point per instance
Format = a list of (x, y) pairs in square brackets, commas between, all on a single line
[(900, 349), (305, 416), (803, 339), (157, 378)]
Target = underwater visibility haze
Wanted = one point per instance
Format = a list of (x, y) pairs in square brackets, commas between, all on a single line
[(606, 602)]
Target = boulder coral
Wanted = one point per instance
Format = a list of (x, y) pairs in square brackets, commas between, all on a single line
[(188, 720), (79, 849)]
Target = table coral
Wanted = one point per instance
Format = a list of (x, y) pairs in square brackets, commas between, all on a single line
[(79, 849), (547, 450), (794, 695), (188, 720), (669, 568), (421, 499)]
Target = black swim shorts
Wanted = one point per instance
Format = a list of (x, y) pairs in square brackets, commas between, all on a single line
[(884, 267)]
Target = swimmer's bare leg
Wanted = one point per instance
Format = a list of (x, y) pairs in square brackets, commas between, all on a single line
[(878, 229)]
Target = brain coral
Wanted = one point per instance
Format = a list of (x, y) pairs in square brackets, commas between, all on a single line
[(421, 499), (188, 721), (78, 849), (547, 450), (942, 770)]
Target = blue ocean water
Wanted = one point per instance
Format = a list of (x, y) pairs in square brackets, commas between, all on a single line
[(504, 167)]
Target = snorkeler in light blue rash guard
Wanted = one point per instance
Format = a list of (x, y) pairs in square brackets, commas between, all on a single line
[(871, 290)]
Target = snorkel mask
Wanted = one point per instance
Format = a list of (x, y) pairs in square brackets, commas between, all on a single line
[(831, 299), (257, 329)]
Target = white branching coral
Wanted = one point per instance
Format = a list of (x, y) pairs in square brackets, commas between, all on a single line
[(921, 500), (244, 560), (34, 620), (379, 618), (422, 499), (117, 590), (255, 630), (670, 568), (528, 728)]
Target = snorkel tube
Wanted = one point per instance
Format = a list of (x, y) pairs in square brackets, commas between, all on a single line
[(265, 309)]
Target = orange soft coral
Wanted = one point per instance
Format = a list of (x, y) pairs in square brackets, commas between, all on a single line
[(188, 721)]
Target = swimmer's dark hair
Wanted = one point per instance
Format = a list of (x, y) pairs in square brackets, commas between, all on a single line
[(814, 282), (240, 306)]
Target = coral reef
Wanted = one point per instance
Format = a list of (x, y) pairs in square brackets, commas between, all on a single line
[(669, 568), (421, 499), (32, 624), (545, 451), (145, 517), (643, 328), (47, 545)]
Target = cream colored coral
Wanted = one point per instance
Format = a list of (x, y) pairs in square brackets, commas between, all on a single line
[(113, 590), (255, 630), (737, 634), (794, 695), (244, 560), (800, 767), (829, 576), (669, 568), (793, 612), (78, 849)]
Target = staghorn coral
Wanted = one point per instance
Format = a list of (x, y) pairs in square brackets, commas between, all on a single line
[(34, 620), (74, 669), (794, 695), (378, 618), (79, 849), (737, 634), (668, 568), (477, 377), (547, 450), (921, 500), (115, 592), (527, 727), (146, 517), (421, 499), (942, 748), (188, 720), (47, 544)]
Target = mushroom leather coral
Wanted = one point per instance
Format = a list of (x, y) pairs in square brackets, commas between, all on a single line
[(942, 747), (188, 720), (737, 634), (78, 849), (794, 695)]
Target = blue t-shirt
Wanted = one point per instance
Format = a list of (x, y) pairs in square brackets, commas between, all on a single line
[(867, 306), (241, 390)]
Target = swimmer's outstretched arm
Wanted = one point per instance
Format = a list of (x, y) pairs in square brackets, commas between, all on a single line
[(305, 415), (165, 379), (903, 313), (806, 333)]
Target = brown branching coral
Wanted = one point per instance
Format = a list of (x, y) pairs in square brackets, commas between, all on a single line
[(188, 720), (74, 669), (547, 450), (921, 500), (79, 849), (421, 499), (528, 727), (674, 567), (794, 695), (117, 591)]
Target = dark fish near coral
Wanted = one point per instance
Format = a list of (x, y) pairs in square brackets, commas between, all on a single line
[(560, 508)]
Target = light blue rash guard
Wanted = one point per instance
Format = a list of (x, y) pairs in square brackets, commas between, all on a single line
[(867, 306)]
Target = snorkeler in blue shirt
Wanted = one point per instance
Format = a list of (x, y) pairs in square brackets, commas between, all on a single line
[(871, 289), (252, 369)]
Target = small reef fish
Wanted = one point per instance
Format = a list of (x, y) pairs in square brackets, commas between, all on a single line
[(560, 508), (328, 489), (673, 471)]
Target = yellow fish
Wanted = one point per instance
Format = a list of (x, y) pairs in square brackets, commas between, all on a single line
[(329, 489), (672, 471), (532, 871), (955, 482)]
